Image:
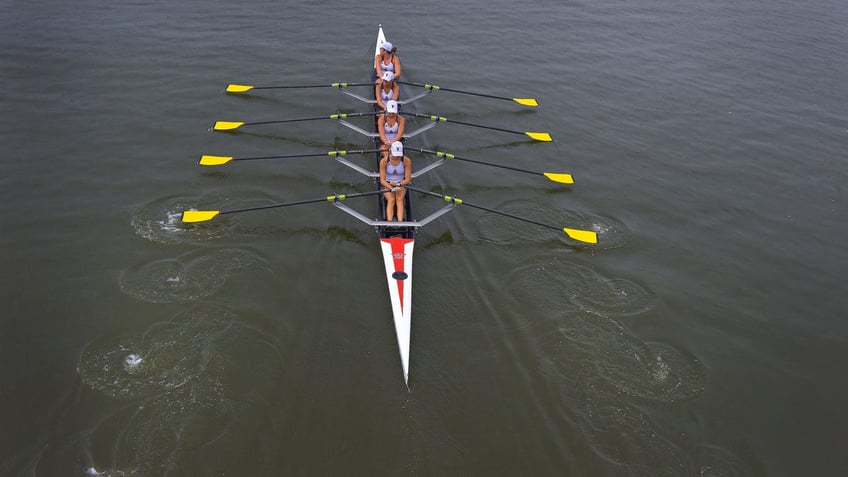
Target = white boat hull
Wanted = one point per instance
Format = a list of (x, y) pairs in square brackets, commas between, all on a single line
[(397, 256)]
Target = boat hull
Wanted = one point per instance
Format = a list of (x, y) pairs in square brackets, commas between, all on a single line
[(396, 243), (397, 257)]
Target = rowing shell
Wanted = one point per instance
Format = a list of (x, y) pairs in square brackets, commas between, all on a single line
[(396, 244), (397, 239)]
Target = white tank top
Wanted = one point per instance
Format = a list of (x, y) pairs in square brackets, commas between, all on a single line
[(391, 131), (388, 67), (387, 95), (395, 173)]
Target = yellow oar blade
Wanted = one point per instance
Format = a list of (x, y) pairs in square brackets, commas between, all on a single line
[(190, 216), (227, 125), (238, 88), (539, 136), (526, 101), (587, 236), (558, 177), (214, 160)]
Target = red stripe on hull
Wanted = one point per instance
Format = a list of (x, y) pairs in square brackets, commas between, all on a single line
[(399, 257)]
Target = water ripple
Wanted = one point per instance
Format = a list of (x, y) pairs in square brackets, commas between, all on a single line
[(184, 382), (556, 283), (185, 278), (607, 351), (614, 379), (166, 357)]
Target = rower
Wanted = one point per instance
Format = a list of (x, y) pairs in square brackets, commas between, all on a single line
[(386, 90), (387, 60), (395, 174), (390, 125)]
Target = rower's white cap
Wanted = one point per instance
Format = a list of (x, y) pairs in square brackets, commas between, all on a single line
[(391, 106), (388, 76), (387, 46), (397, 149)]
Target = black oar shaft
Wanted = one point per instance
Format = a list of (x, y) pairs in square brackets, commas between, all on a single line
[(458, 201), (330, 153), (331, 198), (446, 120), (293, 86), (335, 85), (485, 127), (276, 157), (451, 156), (333, 116), (286, 121), (441, 88)]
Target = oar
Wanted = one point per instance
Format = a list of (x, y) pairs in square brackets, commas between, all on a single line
[(553, 176), (231, 125), (588, 236), (539, 136), (241, 88), (221, 160), (522, 101), (191, 216)]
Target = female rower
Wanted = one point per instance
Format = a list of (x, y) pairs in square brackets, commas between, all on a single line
[(387, 90), (395, 173), (387, 60), (390, 125)]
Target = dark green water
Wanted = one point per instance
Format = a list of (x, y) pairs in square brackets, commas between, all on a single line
[(704, 335)]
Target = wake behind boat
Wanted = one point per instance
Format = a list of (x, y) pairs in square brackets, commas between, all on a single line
[(397, 239)]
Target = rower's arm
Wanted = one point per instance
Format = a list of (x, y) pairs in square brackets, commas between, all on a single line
[(401, 127), (381, 128), (407, 175), (396, 61), (383, 181), (379, 97)]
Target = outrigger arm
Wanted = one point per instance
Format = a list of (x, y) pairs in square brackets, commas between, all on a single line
[(374, 101), (385, 223), (359, 129)]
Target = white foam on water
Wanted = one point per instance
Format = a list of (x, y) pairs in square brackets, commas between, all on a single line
[(173, 222), (132, 361)]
